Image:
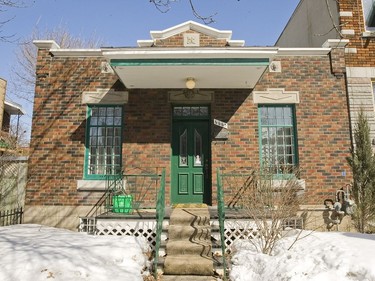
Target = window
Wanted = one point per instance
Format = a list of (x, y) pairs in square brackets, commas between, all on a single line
[(277, 138), (103, 141), (369, 12), (190, 111)]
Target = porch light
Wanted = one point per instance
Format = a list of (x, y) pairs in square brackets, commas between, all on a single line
[(190, 83)]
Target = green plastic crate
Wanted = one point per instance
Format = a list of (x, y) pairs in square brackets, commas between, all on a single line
[(122, 204)]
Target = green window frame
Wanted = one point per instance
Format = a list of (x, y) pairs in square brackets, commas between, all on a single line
[(278, 139), (104, 130)]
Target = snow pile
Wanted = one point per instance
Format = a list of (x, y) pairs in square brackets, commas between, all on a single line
[(34, 252), (319, 256)]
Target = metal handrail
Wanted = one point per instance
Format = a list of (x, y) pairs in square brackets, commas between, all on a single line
[(221, 216), (160, 213)]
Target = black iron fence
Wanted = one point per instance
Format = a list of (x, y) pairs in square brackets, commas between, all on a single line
[(10, 217)]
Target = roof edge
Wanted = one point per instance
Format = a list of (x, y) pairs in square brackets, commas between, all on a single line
[(46, 44)]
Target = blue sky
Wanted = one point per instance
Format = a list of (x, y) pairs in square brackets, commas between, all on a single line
[(123, 22)]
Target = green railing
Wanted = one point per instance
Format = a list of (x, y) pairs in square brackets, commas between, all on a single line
[(221, 215), (160, 212), (142, 188)]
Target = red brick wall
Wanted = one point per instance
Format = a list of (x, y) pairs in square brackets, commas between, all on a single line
[(58, 135), (58, 129), (147, 136), (322, 126), (365, 46), (322, 122)]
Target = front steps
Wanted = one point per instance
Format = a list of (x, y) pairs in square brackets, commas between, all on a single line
[(189, 249)]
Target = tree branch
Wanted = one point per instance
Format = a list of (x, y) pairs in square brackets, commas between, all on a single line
[(165, 5)]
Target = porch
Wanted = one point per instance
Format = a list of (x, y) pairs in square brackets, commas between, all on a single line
[(227, 222)]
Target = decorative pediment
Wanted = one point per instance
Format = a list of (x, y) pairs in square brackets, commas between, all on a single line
[(192, 26), (275, 96)]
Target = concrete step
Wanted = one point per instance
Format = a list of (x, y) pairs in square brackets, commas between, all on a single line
[(186, 247), (189, 217), (188, 265), (189, 232), (187, 278)]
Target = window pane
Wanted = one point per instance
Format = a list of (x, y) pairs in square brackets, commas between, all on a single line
[(118, 112), (186, 111), (117, 132), (110, 111), (117, 121), (109, 121), (94, 112), (183, 148), (177, 111), (94, 121), (204, 111), (102, 111), (197, 149)]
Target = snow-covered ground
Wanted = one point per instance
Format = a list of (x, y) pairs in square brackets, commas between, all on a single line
[(321, 256), (34, 252)]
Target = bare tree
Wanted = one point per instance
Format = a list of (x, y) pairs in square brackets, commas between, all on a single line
[(4, 6), (23, 72), (271, 203)]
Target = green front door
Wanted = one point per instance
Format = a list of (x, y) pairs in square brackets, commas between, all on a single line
[(190, 162)]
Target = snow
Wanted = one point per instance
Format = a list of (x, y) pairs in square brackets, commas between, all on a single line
[(35, 252), (319, 256)]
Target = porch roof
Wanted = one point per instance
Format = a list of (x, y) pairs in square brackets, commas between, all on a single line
[(171, 67), (13, 108)]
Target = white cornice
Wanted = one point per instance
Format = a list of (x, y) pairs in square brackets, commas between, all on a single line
[(46, 44), (139, 53), (236, 43), (303, 51), (76, 52), (145, 43), (335, 43)]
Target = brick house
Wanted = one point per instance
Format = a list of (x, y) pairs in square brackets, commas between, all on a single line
[(344, 23), (7, 109), (189, 100)]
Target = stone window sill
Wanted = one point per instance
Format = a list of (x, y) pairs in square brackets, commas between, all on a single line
[(368, 34), (91, 185)]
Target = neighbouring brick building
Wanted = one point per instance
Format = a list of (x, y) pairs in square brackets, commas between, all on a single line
[(349, 23), (189, 100)]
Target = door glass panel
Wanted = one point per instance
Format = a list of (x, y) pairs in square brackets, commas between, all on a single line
[(190, 111), (197, 149), (183, 149)]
